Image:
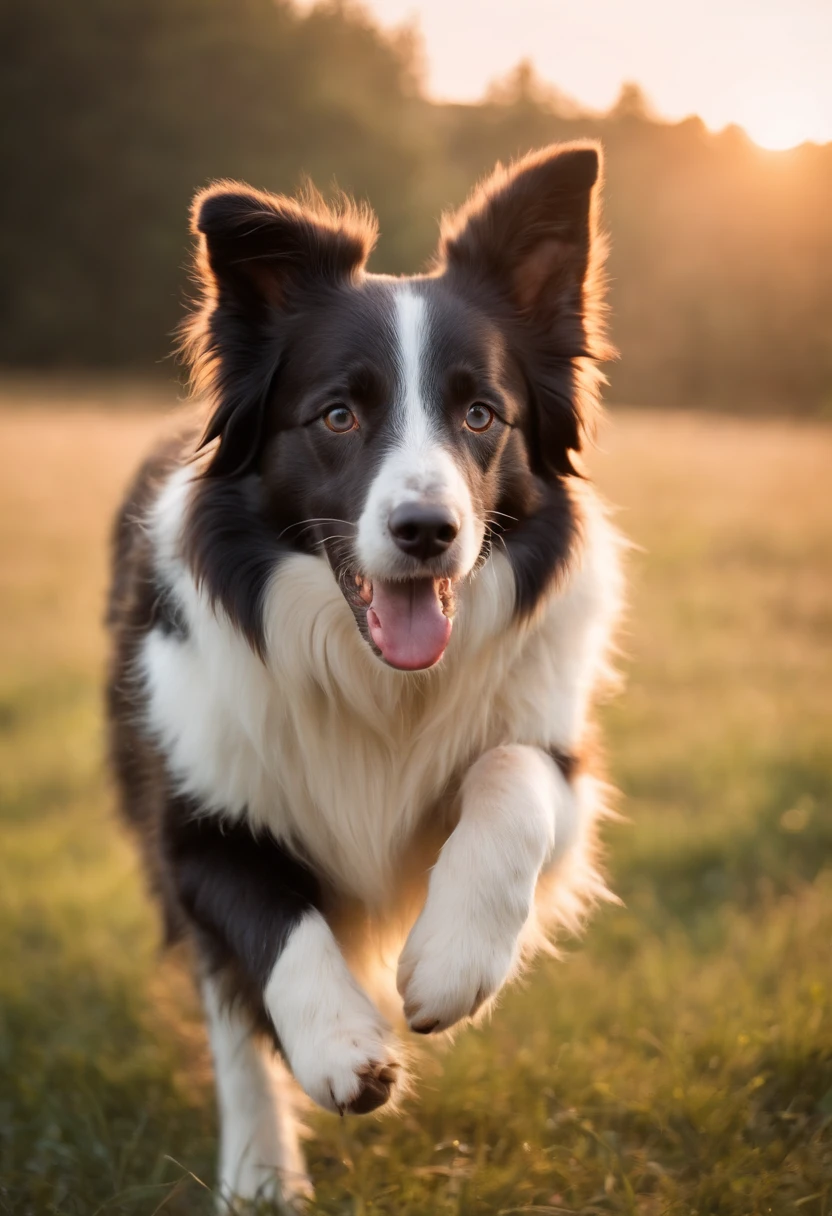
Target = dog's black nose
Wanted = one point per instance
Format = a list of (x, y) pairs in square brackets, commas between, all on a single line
[(422, 531)]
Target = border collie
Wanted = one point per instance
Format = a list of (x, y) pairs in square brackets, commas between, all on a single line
[(358, 616)]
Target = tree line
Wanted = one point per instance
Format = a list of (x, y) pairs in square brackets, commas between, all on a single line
[(116, 111)]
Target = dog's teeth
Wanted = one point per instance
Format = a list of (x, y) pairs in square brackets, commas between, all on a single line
[(446, 597)]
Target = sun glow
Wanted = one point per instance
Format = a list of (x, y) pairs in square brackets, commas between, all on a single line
[(762, 64), (778, 123)]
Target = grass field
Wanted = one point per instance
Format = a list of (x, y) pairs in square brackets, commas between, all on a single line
[(678, 1061)]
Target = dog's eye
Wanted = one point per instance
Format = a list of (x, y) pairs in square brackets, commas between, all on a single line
[(340, 420), (479, 418)]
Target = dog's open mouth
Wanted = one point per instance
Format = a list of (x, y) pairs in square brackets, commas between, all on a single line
[(410, 622)]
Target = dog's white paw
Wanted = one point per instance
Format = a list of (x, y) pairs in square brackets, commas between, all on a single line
[(335, 1041), (466, 943), (346, 1063), (456, 958)]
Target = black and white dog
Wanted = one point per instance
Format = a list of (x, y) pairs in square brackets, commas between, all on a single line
[(358, 619)]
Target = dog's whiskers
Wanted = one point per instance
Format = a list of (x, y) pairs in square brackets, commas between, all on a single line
[(305, 524)]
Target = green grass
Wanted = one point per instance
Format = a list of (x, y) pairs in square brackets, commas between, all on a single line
[(679, 1060)]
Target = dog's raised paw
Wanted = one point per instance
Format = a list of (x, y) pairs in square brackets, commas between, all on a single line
[(336, 1042), (346, 1074), (450, 967)]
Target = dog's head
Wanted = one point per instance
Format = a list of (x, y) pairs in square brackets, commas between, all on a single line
[(397, 427)]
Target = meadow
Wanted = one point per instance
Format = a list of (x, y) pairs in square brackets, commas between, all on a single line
[(677, 1060)]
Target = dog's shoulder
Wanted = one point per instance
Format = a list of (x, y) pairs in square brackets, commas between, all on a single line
[(133, 587)]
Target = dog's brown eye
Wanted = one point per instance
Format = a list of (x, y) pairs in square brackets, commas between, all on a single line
[(479, 418), (340, 420)]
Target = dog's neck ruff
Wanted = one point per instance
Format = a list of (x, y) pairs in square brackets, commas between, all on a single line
[(322, 744)]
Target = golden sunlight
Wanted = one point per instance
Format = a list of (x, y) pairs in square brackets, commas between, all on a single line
[(778, 123), (759, 63)]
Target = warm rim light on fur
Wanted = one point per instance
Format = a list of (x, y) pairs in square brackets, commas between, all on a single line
[(341, 218)]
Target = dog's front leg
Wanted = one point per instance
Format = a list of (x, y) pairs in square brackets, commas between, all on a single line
[(270, 959), (465, 944)]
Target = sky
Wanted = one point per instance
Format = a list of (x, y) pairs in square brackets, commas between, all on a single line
[(764, 64)]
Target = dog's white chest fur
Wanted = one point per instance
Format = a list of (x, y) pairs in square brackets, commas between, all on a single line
[(332, 750)]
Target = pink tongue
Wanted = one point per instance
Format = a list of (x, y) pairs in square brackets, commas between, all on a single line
[(407, 623)]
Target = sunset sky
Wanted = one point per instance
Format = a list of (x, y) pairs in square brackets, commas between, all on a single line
[(766, 64)]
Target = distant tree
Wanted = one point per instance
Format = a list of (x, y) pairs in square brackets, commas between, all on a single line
[(523, 86), (632, 103), (114, 113)]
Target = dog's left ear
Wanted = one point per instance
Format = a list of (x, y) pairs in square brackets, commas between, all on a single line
[(529, 234)]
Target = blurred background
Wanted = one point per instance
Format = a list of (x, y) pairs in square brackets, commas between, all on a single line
[(117, 110), (680, 1059)]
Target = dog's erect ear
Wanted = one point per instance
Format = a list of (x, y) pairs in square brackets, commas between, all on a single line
[(529, 233), (257, 254), (263, 244)]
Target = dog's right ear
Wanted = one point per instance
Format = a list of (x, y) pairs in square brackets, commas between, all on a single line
[(261, 245), (257, 254)]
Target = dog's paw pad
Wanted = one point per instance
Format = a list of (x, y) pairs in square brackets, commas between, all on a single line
[(349, 1074), (376, 1086)]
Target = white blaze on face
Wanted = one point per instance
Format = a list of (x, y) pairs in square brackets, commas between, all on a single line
[(418, 468)]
